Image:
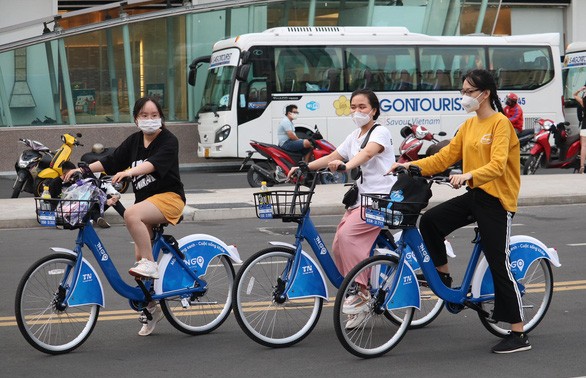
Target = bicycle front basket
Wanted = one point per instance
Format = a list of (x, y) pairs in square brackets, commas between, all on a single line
[(67, 213), (380, 210), (281, 204)]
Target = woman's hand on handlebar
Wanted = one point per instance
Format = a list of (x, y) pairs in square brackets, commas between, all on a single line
[(458, 180), (121, 175), (397, 165), (336, 165), (291, 172)]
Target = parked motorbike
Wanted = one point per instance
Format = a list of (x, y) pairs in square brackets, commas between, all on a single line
[(30, 162), (526, 143), (99, 151), (54, 169), (563, 154), (275, 168), (414, 136)]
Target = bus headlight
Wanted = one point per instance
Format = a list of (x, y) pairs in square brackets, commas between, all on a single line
[(223, 133)]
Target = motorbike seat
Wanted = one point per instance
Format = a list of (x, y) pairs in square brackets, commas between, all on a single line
[(294, 155), (525, 135)]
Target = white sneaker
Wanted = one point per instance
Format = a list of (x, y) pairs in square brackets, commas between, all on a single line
[(356, 304), (355, 320), (145, 268), (149, 325)]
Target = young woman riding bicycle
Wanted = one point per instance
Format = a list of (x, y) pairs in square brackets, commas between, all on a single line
[(489, 148), (354, 238)]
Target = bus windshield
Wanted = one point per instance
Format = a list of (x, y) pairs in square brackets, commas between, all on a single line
[(217, 91)]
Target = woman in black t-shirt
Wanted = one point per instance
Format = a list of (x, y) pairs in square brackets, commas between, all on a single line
[(152, 155)]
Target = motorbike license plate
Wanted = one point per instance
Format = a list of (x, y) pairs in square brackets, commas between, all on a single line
[(206, 152)]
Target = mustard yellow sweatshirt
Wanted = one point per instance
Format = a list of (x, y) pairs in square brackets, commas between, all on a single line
[(489, 149)]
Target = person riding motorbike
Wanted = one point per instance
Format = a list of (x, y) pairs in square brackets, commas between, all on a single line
[(514, 112), (288, 140)]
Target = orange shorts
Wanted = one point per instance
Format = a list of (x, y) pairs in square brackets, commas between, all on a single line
[(170, 204)]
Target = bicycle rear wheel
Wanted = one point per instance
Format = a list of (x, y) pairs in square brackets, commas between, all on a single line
[(257, 307), (44, 320), (374, 335), (536, 292), (203, 312)]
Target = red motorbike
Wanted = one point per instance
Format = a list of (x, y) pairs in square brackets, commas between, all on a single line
[(414, 136), (275, 168), (563, 154)]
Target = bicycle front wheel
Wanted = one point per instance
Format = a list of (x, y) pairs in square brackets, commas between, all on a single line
[(44, 320), (260, 312), (204, 312), (369, 333), (536, 293)]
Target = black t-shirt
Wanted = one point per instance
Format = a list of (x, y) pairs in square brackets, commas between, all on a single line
[(163, 153)]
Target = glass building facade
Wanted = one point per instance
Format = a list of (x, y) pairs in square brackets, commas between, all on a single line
[(89, 70)]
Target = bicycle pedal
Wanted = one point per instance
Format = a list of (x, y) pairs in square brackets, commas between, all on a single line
[(185, 303)]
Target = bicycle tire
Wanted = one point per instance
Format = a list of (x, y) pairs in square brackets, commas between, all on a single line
[(44, 326), (375, 335), (536, 298), (207, 311), (260, 316)]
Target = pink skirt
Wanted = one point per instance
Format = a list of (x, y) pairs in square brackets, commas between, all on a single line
[(353, 242)]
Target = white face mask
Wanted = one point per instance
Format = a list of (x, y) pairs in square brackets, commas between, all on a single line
[(360, 119), (150, 126), (294, 116), (470, 104)]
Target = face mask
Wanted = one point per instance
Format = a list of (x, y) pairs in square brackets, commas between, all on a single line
[(294, 116), (360, 119), (150, 126), (470, 104)]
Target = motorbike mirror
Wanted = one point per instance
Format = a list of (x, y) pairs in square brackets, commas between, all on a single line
[(78, 135), (442, 133)]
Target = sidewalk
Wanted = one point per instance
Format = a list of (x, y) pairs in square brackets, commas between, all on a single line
[(218, 204)]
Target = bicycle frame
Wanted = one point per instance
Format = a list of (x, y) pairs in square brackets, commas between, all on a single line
[(84, 289), (303, 275), (477, 285)]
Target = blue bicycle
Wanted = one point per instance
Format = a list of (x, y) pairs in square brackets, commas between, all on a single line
[(279, 291), (394, 291), (59, 297)]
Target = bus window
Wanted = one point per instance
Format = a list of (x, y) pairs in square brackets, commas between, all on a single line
[(308, 69), (381, 68), (521, 67)]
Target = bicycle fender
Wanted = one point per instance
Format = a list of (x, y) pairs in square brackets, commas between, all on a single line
[(406, 293), (524, 250), (309, 279), (87, 287), (199, 250)]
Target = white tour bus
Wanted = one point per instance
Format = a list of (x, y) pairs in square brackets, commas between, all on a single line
[(253, 77), (574, 74)]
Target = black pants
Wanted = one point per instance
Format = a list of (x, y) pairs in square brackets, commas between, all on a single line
[(494, 224)]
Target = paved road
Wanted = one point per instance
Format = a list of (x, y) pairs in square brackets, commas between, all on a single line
[(453, 346)]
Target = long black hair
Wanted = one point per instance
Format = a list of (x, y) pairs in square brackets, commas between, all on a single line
[(484, 80), (139, 104), (372, 100)]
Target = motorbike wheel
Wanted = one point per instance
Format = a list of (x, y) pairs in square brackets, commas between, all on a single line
[(532, 164), (334, 178), (38, 187), (17, 188), (21, 179), (254, 178)]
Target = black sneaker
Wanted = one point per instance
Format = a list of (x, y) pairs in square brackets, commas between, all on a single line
[(445, 277), (512, 343)]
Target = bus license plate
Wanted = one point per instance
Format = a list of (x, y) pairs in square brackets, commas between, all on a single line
[(206, 152)]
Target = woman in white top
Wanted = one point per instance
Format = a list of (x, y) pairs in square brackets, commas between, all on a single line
[(354, 237)]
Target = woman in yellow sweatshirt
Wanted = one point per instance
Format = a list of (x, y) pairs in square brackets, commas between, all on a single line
[(489, 148)]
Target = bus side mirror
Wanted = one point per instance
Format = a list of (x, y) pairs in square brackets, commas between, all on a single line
[(194, 66), (244, 57), (242, 72)]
